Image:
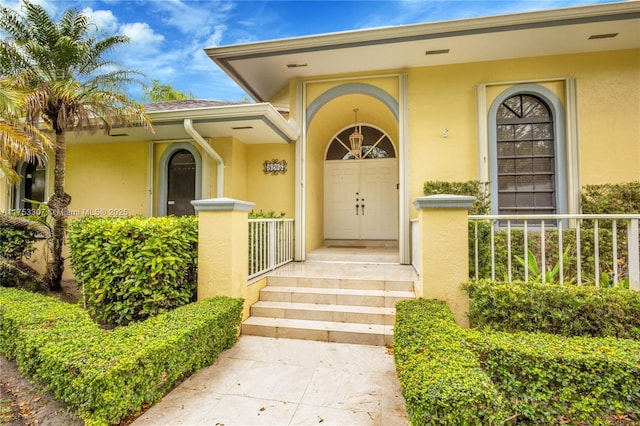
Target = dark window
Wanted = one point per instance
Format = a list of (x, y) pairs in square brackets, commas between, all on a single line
[(31, 186), (375, 145), (526, 157), (181, 183)]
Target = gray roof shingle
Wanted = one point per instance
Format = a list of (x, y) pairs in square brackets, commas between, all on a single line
[(186, 104)]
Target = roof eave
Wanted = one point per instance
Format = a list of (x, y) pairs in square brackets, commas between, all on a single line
[(287, 130), (224, 55)]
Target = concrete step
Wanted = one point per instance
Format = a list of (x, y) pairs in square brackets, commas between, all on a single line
[(325, 302), (326, 331), (344, 283), (324, 312), (334, 296)]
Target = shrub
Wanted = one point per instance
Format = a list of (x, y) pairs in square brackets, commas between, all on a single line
[(441, 379), (108, 375), (18, 235), (617, 198), (472, 188), (134, 268), (567, 310), (453, 376), (550, 379)]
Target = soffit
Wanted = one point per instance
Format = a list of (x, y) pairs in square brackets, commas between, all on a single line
[(262, 69), (249, 123)]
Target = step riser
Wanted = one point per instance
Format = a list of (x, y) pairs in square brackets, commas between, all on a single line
[(323, 315), (328, 309), (318, 335), (341, 283), (331, 299)]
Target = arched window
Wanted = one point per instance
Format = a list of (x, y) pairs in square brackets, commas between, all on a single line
[(376, 144), (525, 148)]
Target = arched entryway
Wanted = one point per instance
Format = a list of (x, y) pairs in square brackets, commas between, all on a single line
[(361, 190), (381, 104), (179, 181)]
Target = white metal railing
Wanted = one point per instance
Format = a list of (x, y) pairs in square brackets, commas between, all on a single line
[(270, 244), (575, 248)]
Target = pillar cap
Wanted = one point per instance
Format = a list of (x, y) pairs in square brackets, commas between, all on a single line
[(444, 201), (222, 204)]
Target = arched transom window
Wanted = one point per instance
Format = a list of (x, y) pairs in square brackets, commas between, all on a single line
[(525, 156), (376, 144)]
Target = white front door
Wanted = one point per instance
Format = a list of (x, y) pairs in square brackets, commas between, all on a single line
[(361, 199)]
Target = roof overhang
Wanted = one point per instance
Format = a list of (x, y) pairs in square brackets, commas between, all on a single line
[(257, 123), (262, 69)]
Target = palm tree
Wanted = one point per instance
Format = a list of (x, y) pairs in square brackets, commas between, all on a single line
[(159, 92), (70, 85), (19, 141)]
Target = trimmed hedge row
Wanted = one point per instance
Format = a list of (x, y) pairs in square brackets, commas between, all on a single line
[(108, 375), (134, 268), (568, 310), (453, 376), (550, 379), (441, 379)]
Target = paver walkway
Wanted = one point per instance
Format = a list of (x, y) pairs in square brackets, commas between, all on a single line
[(267, 381)]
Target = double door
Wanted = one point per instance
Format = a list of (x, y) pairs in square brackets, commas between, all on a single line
[(361, 199)]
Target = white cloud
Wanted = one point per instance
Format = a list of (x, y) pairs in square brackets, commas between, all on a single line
[(192, 17), (141, 35), (105, 20), (215, 38)]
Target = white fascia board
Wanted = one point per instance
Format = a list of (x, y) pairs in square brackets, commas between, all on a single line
[(495, 23)]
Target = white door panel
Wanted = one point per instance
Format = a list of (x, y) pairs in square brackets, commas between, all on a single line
[(361, 199)]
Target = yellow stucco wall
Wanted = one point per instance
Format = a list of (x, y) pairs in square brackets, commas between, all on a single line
[(271, 192), (445, 97), (233, 152), (608, 97), (609, 107), (107, 178)]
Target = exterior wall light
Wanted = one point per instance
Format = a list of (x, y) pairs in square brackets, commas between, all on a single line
[(356, 138)]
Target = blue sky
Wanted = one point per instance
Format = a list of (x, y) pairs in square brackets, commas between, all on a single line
[(168, 36)]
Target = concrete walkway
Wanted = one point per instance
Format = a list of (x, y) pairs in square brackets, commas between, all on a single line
[(267, 381)]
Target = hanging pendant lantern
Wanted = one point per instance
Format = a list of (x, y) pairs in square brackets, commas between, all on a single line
[(356, 138)]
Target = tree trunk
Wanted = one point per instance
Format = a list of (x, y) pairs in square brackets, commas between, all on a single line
[(58, 204)]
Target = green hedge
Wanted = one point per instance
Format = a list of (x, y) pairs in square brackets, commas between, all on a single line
[(134, 268), (18, 235), (611, 198), (441, 379), (549, 379), (108, 375), (568, 310), (453, 376)]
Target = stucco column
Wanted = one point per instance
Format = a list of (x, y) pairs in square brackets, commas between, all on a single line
[(444, 251), (223, 234)]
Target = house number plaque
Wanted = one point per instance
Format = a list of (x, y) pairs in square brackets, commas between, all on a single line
[(274, 167)]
